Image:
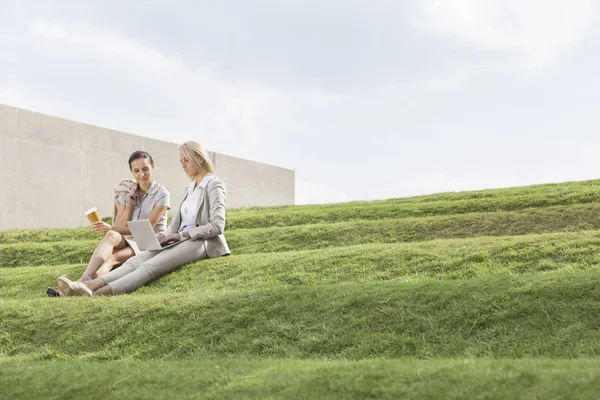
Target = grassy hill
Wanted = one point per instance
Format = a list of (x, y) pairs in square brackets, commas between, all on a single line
[(489, 294)]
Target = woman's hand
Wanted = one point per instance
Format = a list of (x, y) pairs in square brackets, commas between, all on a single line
[(101, 227), (173, 237), (131, 196)]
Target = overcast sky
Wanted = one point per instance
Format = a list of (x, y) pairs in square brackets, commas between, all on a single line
[(365, 99)]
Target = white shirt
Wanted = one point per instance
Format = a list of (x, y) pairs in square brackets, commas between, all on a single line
[(189, 208)]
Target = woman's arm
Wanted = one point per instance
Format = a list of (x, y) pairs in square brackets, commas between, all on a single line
[(169, 233), (174, 226), (216, 214), (120, 222), (123, 214), (155, 215)]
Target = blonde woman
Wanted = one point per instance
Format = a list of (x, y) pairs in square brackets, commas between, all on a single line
[(147, 200), (200, 217)]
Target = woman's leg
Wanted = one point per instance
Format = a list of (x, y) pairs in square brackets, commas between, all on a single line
[(116, 258), (153, 268), (101, 283), (111, 241)]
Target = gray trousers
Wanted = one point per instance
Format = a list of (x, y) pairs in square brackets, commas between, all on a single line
[(150, 265)]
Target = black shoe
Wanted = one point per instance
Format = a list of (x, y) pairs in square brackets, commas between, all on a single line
[(50, 292)]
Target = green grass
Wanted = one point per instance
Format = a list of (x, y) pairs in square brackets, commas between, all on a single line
[(548, 190), (391, 209), (440, 259), (489, 294), (514, 199), (20, 236), (298, 379), (550, 315), (323, 236)]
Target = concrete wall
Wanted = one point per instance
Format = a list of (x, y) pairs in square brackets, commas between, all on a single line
[(52, 170), (251, 183)]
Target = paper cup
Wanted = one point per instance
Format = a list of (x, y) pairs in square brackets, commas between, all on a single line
[(93, 215)]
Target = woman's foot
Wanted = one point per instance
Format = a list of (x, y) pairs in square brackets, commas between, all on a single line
[(70, 288)]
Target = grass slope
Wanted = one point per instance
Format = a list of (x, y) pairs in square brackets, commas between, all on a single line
[(550, 315), (440, 259), (443, 204), (322, 236), (264, 218), (303, 379), (548, 190), (487, 294)]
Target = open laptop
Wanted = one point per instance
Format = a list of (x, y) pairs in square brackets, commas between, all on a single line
[(145, 237)]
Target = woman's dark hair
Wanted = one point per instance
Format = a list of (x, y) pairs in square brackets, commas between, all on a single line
[(136, 155)]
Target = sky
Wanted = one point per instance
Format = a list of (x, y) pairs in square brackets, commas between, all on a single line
[(364, 99)]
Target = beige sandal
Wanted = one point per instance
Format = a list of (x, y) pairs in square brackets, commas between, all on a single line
[(70, 288)]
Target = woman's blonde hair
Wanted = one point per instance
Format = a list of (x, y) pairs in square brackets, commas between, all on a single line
[(198, 156)]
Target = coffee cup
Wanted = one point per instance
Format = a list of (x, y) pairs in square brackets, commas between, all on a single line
[(93, 215)]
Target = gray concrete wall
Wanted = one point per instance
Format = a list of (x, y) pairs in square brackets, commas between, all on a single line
[(251, 183), (52, 170)]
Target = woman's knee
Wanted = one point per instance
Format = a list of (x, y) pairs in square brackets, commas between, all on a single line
[(113, 237)]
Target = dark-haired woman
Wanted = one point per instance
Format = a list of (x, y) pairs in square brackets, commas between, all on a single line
[(148, 201)]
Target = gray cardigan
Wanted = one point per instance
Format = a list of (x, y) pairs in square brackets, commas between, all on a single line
[(210, 221)]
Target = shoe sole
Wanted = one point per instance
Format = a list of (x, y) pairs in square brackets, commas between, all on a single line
[(74, 288), (64, 286)]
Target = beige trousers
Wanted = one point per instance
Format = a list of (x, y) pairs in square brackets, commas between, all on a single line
[(150, 265)]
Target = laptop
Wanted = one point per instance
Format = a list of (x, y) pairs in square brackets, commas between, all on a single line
[(145, 237)]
